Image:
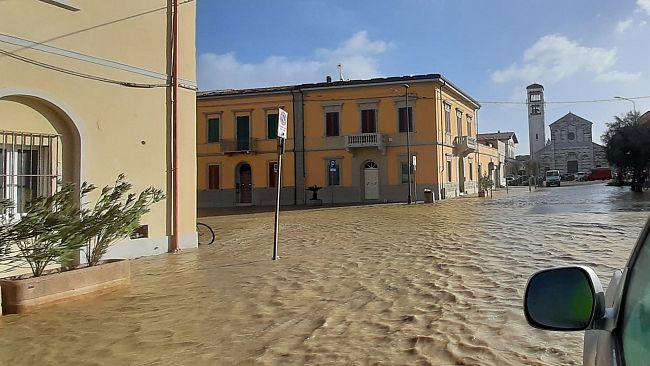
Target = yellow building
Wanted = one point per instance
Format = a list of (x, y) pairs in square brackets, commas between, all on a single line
[(86, 94), (349, 138)]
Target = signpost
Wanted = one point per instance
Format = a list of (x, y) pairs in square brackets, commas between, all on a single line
[(415, 178), (283, 117)]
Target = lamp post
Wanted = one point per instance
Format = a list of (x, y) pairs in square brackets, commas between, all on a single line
[(408, 137), (629, 100)]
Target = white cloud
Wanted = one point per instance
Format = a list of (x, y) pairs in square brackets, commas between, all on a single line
[(618, 76), (644, 5), (623, 25), (554, 58), (358, 55)]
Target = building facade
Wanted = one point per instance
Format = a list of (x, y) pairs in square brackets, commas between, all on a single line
[(504, 143), (347, 140), (85, 96), (571, 149)]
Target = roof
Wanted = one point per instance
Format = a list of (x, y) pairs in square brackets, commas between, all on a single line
[(335, 84), (570, 115), (497, 136), (228, 92), (535, 86), (645, 118)]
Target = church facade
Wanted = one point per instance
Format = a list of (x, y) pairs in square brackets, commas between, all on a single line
[(570, 149)]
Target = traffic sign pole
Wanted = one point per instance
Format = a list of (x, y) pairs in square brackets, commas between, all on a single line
[(282, 135)]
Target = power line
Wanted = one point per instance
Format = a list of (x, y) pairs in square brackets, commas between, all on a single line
[(81, 74), (14, 55)]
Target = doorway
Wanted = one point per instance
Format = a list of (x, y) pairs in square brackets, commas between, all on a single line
[(371, 181), (572, 166), (461, 175), (243, 134), (244, 184)]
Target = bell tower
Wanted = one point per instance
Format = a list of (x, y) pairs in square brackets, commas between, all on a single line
[(536, 127)]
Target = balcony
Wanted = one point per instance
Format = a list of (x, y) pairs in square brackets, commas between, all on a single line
[(364, 140), (464, 145), (239, 146)]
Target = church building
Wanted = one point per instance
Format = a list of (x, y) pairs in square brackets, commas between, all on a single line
[(570, 148)]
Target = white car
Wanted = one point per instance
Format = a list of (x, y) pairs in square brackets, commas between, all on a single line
[(617, 322)]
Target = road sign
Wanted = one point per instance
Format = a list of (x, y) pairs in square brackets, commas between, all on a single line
[(415, 161), (282, 123), (332, 165)]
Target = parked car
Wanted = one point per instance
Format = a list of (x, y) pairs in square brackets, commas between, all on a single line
[(552, 178), (600, 174), (581, 176), (568, 177), (617, 322)]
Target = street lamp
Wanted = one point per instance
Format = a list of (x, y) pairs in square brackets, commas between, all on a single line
[(408, 133), (629, 100)]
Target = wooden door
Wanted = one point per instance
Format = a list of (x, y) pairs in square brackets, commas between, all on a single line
[(245, 184), (371, 181)]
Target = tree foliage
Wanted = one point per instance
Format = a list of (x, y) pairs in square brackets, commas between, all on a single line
[(55, 228), (114, 216), (627, 147)]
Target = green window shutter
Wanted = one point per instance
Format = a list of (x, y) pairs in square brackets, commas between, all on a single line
[(213, 130), (272, 126)]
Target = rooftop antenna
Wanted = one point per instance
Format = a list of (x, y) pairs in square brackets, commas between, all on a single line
[(340, 67)]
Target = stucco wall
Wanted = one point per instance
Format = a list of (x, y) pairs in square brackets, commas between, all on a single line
[(121, 129)]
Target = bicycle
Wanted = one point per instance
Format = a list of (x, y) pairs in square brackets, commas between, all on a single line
[(205, 234)]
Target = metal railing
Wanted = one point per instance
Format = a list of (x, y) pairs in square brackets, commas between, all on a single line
[(29, 166), (465, 144), (237, 145), (364, 140)]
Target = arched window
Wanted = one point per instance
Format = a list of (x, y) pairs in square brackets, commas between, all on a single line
[(370, 165)]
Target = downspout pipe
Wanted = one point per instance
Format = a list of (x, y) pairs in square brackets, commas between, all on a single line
[(174, 170)]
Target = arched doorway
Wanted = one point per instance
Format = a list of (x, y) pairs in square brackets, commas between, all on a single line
[(39, 145), (244, 184), (371, 181)]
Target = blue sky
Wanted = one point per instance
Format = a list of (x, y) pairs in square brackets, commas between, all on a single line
[(579, 50)]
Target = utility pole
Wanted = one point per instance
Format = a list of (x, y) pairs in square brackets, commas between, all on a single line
[(408, 137)]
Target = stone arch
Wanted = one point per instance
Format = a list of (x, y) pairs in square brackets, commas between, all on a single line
[(28, 111)]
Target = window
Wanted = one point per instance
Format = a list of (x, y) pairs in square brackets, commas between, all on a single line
[(213, 130), (635, 311), (572, 136), (535, 109), (368, 121), (448, 171), (471, 171), (28, 163), (332, 124), (459, 122), (273, 174), (213, 176), (404, 172), (333, 174), (536, 137), (469, 125), (272, 126), (402, 119), (447, 118), (535, 97)]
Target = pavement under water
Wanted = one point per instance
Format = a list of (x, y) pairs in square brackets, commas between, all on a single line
[(438, 284)]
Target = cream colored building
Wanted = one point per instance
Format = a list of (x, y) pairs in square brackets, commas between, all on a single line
[(86, 94)]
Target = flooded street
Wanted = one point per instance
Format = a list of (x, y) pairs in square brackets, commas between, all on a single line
[(438, 284)]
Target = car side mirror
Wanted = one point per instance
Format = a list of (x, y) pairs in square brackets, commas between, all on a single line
[(567, 298)]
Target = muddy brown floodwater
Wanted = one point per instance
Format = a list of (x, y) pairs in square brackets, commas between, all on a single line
[(437, 284)]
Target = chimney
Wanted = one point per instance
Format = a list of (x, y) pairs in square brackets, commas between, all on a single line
[(328, 79)]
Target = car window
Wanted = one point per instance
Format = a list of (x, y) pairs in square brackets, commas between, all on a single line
[(635, 334)]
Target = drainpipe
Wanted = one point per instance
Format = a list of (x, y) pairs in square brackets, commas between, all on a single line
[(174, 170)]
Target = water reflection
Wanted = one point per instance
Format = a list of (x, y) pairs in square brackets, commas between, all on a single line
[(439, 284)]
